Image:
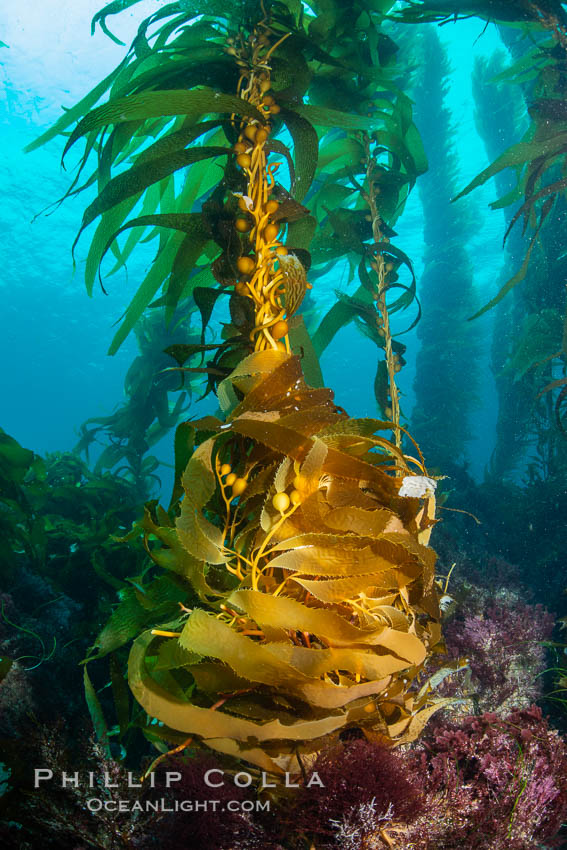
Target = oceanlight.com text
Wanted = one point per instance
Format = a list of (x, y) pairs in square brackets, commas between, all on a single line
[(96, 804)]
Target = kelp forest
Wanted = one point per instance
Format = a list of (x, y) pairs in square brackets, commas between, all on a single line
[(328, 632)]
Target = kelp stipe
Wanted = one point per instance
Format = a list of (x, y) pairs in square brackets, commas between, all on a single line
[(318, 607)]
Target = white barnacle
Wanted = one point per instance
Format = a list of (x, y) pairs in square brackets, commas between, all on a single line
[(417, 486)]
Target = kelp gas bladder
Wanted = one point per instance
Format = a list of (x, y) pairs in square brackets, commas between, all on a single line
[(303, 533)]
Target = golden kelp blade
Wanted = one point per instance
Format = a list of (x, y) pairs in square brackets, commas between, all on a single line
[(320, 608)]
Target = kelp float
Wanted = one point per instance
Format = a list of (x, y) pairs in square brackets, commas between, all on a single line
[(303, 533)]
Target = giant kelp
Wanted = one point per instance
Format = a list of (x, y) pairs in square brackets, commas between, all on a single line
[(164, 151), (170, 105), (125, 437), (317, 605), (449, 345), (527, 343), (537, 159), (550, 13), (289, 597), (56, 514), (538, 156), (493, 97)]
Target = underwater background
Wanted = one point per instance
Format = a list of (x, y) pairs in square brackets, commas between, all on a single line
[(484, 400), (48, 66)]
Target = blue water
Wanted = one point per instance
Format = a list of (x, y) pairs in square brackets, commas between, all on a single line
[(53, 338)]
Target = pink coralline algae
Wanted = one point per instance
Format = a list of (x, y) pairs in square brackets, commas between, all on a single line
[(366, 790), (492, 783), (503, 644)]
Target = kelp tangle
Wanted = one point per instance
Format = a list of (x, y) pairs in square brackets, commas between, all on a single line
[(318, 602)]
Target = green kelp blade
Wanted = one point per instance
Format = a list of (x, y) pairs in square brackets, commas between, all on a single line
[(174, 557), (183, 222), (183, 449), (205, 298), (111, 9), (335, 153), (120, 693), (176, 140), (14, 459), (302, 346), (185, 261), (338, 317), (305, 151), (147, 290), (5, 667), (278, 147), (140, 176), (125, 623), (523, 270), (95, 711), (517, 155), (73, 114), (325, 117), (109, 223), (157, 104)]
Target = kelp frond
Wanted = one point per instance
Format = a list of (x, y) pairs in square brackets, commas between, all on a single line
[(318, 602)]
